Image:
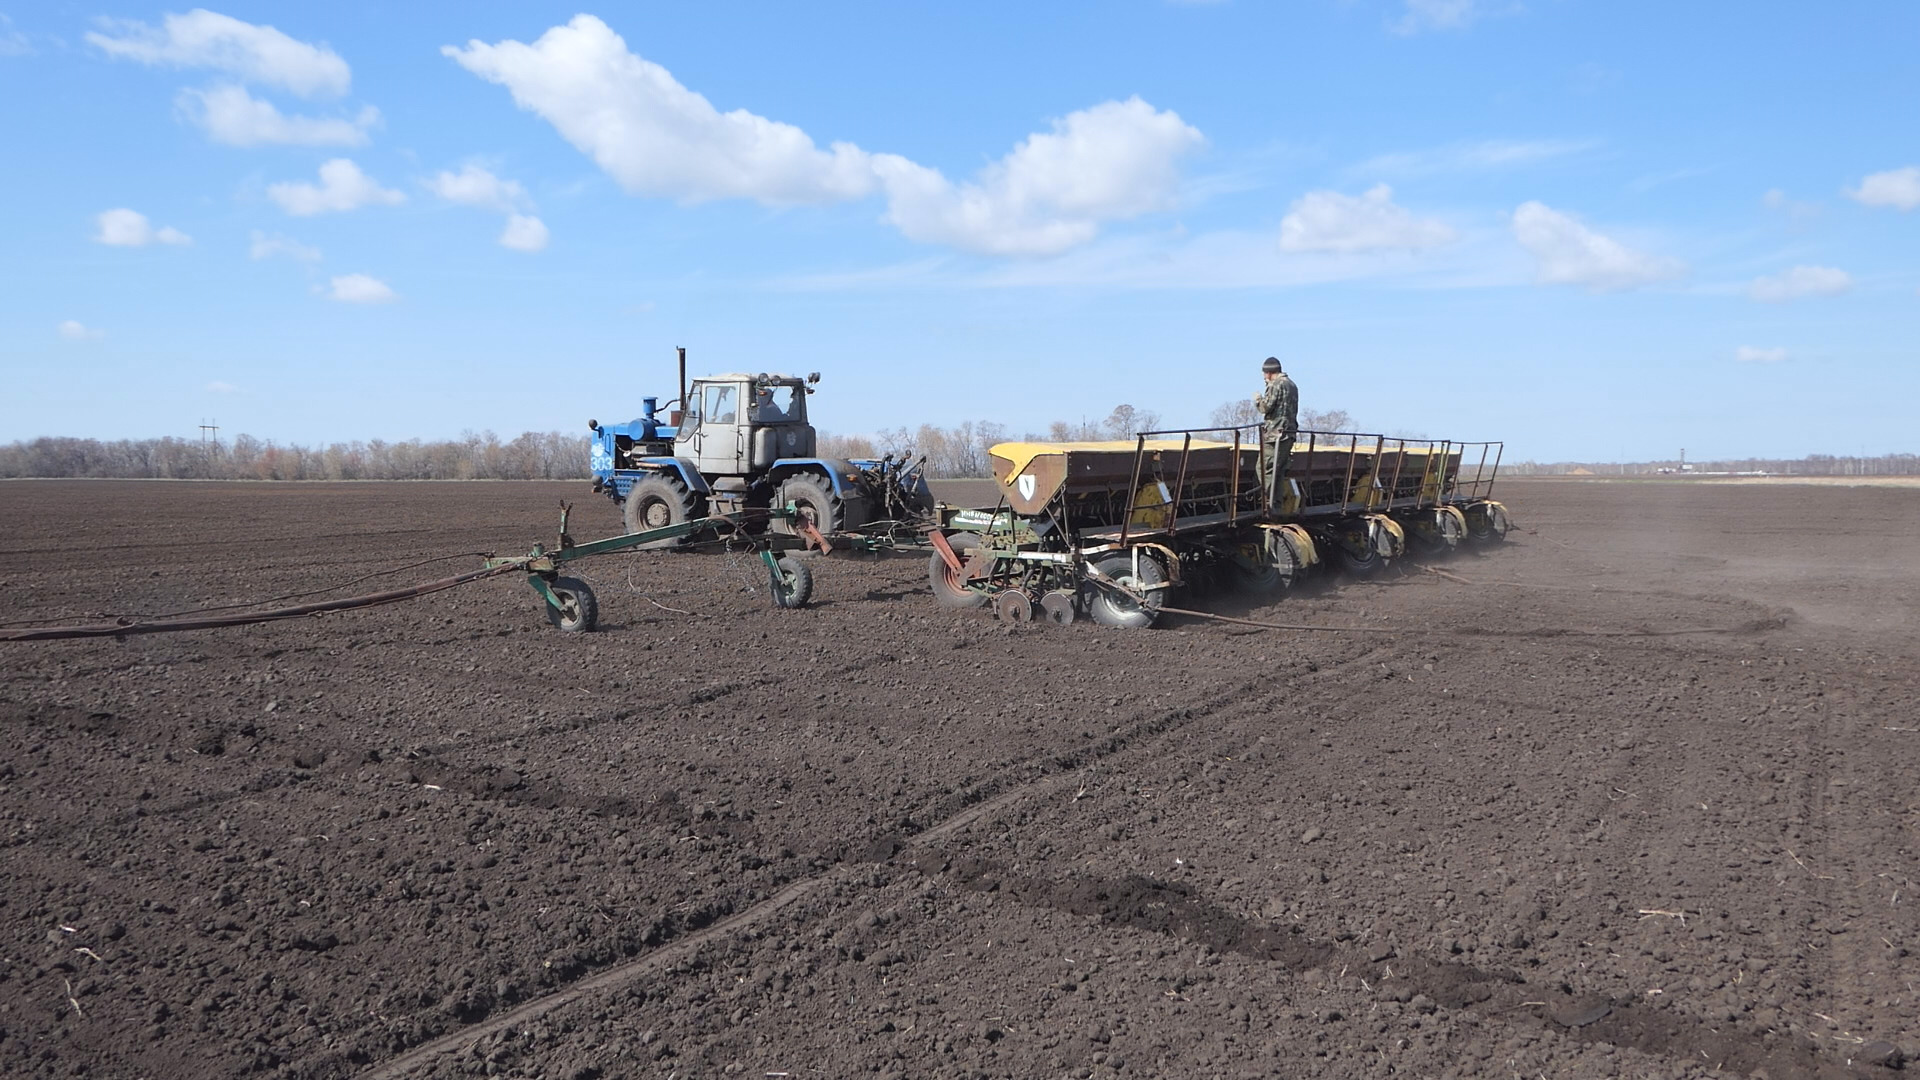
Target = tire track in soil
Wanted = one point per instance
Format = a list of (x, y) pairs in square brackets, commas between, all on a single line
[(1175, 910), (1172, 909), (485, 781), (199, 545), (1823, 911), (984, 802), (495, 782)]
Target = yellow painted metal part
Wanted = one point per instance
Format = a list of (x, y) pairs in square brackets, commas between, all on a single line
[(1290, 498), (1458, 514), (1018, 455), (1397, 537), (1152, 506), (1297, 541)]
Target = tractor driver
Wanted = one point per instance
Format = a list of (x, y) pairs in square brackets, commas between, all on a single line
[(1279, 408)]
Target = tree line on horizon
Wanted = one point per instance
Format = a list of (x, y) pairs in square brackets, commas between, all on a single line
[(956, 451), (1811, 465), (550, 455)]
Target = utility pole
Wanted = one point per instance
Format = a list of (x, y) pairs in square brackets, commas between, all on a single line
[(209, 433)]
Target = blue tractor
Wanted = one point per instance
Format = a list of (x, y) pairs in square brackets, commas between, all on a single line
[(741, 442)]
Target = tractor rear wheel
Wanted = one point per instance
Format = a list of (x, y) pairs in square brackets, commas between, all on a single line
[(579, 612), (658, 501), (1111, 607), (813, 495), (949, 587)]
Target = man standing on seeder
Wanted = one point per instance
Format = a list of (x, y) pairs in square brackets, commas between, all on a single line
[(1279, 407)]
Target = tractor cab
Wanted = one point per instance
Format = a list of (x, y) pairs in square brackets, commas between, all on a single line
[(739, 425)]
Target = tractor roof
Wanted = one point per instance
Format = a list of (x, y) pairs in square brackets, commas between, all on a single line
[(748, 376)]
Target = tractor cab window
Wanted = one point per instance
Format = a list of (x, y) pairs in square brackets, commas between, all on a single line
[(773, 404), (720, 405)]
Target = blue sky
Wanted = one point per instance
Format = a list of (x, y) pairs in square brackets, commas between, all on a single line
[(1598, 230)]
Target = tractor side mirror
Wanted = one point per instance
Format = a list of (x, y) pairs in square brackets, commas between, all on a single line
[(593, 425), (813, 376)]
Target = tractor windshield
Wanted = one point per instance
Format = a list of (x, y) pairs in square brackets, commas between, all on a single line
[(773, 404)]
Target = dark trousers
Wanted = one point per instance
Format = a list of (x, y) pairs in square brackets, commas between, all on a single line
[(1275, 453)]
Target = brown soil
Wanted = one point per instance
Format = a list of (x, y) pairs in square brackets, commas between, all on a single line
[(1532, 831)]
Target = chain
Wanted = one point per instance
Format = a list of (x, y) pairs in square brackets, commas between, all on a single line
[(744, 560)]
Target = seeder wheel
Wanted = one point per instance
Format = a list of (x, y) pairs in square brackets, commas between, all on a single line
[(1253, 573), (1487, 523), (792, 582), (1118, 608), (579, 611), (950, 588)]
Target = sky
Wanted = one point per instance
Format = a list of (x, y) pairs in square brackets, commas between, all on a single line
[(1595, 229)]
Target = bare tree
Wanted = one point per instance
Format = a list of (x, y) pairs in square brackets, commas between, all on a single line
[(1125, 421), (1238, 413), (1329, 420)]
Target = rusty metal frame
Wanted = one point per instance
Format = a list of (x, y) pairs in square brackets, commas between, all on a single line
[(1133, 488), (947, 555), (1179, 486)]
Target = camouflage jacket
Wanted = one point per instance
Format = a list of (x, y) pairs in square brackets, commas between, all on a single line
[(1279, 406)]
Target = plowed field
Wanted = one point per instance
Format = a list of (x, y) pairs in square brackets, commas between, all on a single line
[(1633, 794)]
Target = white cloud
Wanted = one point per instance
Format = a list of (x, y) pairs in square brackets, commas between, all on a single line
[(1593, 78), (653, 135), (1568, 253), (1113, 161), (230, 115), (1795, 209), (524, 233), (12, 41), (76, 331), (1330, 221), (360, 289), (657, 138), (219, 386), (130, 228), (267, 245), (342, 187), (1753, 354), (1466, 157), (1898, 188), (204, 39), (475, 186), (1178, 260), (1423, 15), (1800, 281)]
